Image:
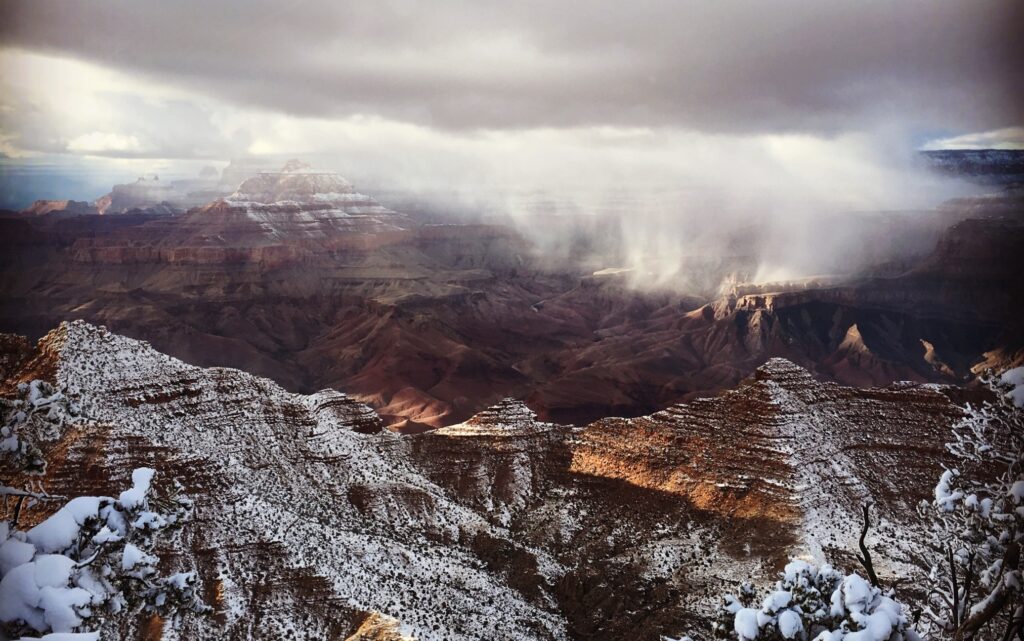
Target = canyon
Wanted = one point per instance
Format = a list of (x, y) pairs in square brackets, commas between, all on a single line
[(297, 277), (397, 425), (313, 521)]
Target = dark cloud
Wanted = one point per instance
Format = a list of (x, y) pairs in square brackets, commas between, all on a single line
[(743, 67)]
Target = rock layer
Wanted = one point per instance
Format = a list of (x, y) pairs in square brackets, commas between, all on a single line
[(310, 518), (297, 277)]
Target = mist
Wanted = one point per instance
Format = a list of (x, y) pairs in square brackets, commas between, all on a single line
[(685, 146), (680, 210)]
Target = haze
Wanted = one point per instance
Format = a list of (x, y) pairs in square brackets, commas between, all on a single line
[(684, 120)]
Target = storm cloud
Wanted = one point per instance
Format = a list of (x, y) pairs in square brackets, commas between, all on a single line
[(686, 120), (735, 67)]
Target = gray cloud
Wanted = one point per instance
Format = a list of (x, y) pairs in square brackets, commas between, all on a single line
[(739, 67)]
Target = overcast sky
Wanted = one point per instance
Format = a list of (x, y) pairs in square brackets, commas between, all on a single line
[(509, 91)]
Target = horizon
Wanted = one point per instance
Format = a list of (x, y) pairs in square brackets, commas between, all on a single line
[(508, 98)]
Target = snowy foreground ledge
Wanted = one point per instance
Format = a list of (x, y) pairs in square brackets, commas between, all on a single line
[(346, 547)]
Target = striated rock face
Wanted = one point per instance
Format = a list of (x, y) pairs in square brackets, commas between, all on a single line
[(312, 520), (785, 447), (641, 511), (296, 182), (272, 219), (296, 277), (302, 523), (509, 417)]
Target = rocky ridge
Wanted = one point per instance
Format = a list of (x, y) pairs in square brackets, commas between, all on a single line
[(312, 521)]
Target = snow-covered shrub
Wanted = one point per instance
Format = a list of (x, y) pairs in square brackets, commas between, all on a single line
[(811, 602), (93, 558), (36, 416), (974, 562)]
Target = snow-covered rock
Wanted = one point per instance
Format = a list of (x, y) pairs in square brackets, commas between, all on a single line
[(309, 516)]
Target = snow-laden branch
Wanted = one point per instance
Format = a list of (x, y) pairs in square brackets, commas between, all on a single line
[(93, 559), (811, 602), (977, 519)]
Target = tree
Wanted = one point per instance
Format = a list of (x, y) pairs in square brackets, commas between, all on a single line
[(811, 602), (974, 561)]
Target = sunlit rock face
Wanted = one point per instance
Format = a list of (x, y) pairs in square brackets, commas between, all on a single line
[(311, 518), (61, 208)]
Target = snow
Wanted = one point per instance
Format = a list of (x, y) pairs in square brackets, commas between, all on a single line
[(836, 600), (65, 636), (790, 624), (877, 627), (37, 593), (776, 601), (13, 551), (106, 535), (9, 443), (877, 615), (796, 608), (131, 556), (746, 623), (798, 568), (1015, 379), (945, 497), (141, 478), (60, 531), (857, 595), (181, 580), (61, 606), (1017, 491)]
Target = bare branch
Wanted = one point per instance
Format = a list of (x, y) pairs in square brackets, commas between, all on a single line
[(955, 590), (17, 512), (967, 584), (865, 560), (39, 496), (994, 602)]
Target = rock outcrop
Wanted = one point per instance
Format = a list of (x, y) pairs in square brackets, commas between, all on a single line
[(62, 208), (310, 520), (303, 525)]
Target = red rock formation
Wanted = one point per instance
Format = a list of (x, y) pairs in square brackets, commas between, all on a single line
[(502, 525)]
